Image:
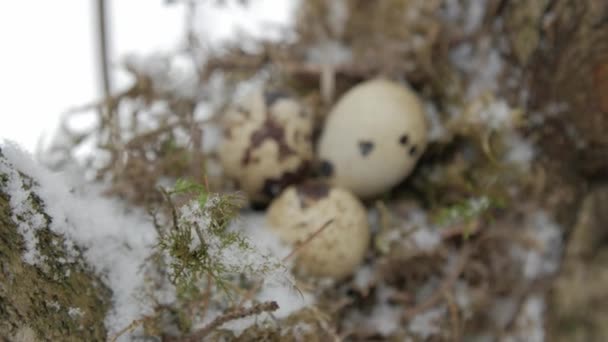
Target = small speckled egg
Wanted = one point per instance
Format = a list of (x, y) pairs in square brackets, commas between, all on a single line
[(340, 247), (372, 138), (267, 144)]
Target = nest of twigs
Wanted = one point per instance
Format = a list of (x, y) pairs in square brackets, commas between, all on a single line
[(155, 131)]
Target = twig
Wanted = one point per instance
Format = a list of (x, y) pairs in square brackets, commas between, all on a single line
[(206, 297), (129, 328), (230, 316), (454, 317), (167, 197), (103, 47), (307, 241), (460, 230), (443, 288)]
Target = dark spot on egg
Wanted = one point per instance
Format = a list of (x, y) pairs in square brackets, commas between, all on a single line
[(413, 150), (403, 140), (311, 192), (273, 186), (270, 97), (326, 169), (227, 133), (269, 130), (365, 147), (303, 113), (246, 113), (258, 206)]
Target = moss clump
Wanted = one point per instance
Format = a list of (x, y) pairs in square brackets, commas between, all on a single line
[(60, 300)]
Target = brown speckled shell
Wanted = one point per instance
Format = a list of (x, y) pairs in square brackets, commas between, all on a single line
[(267, 144), (339, 249)]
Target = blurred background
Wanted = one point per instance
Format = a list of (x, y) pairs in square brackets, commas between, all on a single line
[(51, 57), (511, 191)]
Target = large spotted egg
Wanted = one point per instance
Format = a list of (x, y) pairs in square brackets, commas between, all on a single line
[(373, 137), (267, 144), (327, 227)]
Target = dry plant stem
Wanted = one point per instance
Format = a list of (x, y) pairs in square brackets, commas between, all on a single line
[(172, 206), (307, 241), (460, 230), (128, 328), (204, 301), (103, 47), (454, 317), (230, 316), (248, 62), (165, 128), (445, 286)]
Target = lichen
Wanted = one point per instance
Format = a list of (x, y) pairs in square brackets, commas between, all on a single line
[(35, 300)]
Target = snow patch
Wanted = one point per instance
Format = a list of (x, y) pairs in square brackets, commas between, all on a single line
[(426, 324)]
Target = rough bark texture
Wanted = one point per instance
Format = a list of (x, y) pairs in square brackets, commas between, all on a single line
[(59, 301), (579, 300), (569, 84)]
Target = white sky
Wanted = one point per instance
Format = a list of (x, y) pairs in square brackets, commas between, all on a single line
[(48, 60)]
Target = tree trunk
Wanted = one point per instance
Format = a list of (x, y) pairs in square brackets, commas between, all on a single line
[(58, 299)]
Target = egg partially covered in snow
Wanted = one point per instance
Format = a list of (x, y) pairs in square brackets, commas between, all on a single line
[(373, 137), (267, 144), (326, 226)]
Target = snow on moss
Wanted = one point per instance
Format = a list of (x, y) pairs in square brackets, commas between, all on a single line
[(115, 242)]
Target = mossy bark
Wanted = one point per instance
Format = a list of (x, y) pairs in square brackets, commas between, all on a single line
[(568, 70), (59, 300), (579, 300)]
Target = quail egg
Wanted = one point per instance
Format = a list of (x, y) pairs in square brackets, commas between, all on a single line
[(303, 210), (372, 138), (267, 144)]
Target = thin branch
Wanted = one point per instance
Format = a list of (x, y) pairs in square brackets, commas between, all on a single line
[(103, 47), (230, 316), (445, 286), (307, 241)]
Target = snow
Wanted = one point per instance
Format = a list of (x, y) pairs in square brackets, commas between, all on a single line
[(299, 331), (235, 258), (426, 323), (364, 277), (426, 239), (173, 73), (384, 318), (115, 243), (54, 305), (329, 52), (520, 151), (529, 322), (545, 257), (75, 313), (425, 236), (261, 18), (289, 298), (482, 62)]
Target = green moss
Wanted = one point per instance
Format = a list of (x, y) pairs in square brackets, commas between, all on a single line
[(37, 299)]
